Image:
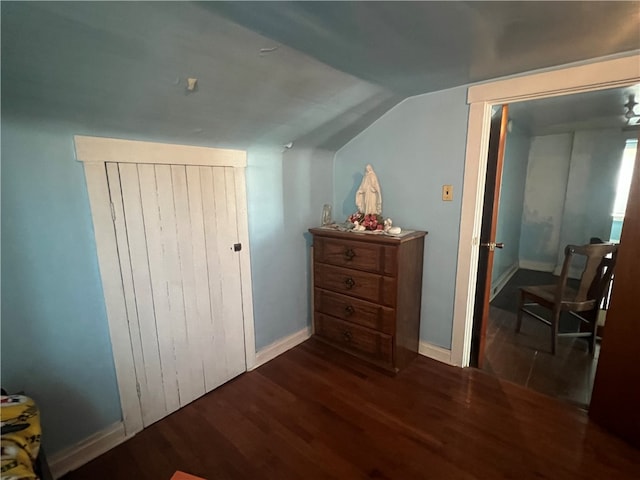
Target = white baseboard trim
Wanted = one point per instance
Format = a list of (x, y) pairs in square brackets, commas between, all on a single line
[(502, 280), (86, 450), (435, 352), (537, 266), (280, 346)]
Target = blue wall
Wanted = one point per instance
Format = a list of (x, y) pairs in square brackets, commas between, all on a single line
[(514, 175), (596, 157), (55, 339), (285, 196), (415, 148), (547, 175), (569, 194)]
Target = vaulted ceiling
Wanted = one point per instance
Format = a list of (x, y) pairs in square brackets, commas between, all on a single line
[(417, 47), (316, 73)]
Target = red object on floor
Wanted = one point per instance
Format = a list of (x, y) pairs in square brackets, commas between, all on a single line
[(184, 476)]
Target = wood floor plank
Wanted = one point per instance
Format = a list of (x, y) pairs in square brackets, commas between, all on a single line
[(313, 413), (364, 430)]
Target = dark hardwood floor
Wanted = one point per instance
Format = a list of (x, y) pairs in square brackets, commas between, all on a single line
[(313, 413), (525, 358)]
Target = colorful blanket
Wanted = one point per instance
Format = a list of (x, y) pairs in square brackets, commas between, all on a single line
[(20, 422)]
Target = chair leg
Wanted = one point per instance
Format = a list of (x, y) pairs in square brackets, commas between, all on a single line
[(594, 333), (555, 320), (520, 307)]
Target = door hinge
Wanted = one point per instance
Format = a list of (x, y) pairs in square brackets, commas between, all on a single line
[(113, 212), (237, 247), (138, 390)]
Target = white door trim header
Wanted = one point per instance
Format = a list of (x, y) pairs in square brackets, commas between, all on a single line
[(102, 149), (571, 79)]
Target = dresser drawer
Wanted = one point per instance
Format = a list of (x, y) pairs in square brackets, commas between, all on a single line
[(363, 285), (353, 254), (355, 311), (372, 344)]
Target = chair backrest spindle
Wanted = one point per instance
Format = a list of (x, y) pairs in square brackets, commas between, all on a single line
[(596, 273)]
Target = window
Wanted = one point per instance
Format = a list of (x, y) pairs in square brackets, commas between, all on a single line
[(622, 189)]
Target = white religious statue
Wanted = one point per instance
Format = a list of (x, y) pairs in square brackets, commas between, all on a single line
[(368, 196)]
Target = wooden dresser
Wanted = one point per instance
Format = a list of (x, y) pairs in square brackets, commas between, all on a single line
[(367, 294)]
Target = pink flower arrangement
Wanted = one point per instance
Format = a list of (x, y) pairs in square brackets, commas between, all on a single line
[(369, 221)]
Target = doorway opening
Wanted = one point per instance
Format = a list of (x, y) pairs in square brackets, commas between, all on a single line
[(557, 187)]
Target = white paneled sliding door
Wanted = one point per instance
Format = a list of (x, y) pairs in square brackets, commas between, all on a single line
[(179, 235)]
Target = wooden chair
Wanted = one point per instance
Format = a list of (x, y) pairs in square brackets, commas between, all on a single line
[(558, 298)]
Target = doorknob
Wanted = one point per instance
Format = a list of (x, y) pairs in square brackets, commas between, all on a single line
[(492, 245)]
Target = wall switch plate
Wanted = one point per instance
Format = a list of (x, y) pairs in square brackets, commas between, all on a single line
[(447, 193)]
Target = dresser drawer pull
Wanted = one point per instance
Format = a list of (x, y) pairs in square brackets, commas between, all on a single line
[(349, 310), (349, 253), (346, 335), (350, 283)]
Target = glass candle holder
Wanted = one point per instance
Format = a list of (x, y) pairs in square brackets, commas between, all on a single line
[(326, 215)]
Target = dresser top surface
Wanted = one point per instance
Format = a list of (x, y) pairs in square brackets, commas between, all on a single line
[(367, 237)]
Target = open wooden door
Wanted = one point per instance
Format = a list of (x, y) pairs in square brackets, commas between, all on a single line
[(615, 399), (488, 244)]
